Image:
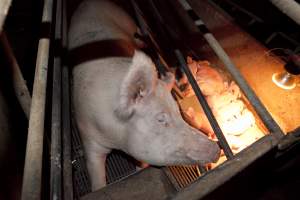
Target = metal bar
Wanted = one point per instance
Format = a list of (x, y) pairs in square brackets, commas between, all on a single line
[(32, 179), (152, 48), (192, 81), (66, 132), (211, 118), (213, 179), (66, 111), (4, 8), (20, 87), (56, 147), (260, 109)]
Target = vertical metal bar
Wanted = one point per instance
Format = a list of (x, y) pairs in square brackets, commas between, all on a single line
[(66, 120), (265, 116), (31, 188), (4, 8), (56, 147), (151, 46), (212, 120), (66, 132), (20, 87)]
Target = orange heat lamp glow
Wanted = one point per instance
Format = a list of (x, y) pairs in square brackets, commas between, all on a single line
[(287, 79)]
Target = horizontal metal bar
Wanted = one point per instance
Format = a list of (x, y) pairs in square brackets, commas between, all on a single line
[(32, 179), (215, 178)]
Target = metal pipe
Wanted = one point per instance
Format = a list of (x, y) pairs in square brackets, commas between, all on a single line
[(56, 147), (4, 8), (260, 109), (289, 7), (214, 178), (32, 179), (211, 118), (66, 132), (19, 84), (66, 120)]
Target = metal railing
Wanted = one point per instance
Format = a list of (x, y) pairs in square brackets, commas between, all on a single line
[(32, 179)]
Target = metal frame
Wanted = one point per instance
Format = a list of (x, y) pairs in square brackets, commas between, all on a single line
[(32, 179), (61, 164), (224, 172), (56, 165)]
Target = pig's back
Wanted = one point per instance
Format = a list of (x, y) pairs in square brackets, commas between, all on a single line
[(96, 20)]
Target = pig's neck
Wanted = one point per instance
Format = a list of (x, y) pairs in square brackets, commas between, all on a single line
[(98, 83)]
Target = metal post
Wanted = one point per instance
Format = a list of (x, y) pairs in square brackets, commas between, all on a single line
[(56, 143), (32, 179), (66, 111)]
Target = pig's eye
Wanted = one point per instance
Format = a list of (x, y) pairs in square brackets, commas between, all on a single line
[(162, 118)]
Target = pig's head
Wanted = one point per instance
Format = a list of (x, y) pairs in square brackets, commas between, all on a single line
[(156, 132)]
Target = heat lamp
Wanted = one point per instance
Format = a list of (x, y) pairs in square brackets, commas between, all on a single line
[(287, 79)]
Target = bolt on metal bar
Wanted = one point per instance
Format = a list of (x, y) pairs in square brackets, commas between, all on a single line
[(4, 8), (211, 118), (260, 109), (32, 179), (56, 143), (20, 87)]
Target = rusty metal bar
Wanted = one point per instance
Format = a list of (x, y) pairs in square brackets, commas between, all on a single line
[(260, 109), (56, 143), (32, 179), (4, 8), (215, 178), (20, 87)]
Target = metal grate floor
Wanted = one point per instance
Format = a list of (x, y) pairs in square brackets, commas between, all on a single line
[(118, 166)]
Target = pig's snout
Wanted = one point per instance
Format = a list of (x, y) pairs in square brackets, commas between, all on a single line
[(206, 153), (202, 149)]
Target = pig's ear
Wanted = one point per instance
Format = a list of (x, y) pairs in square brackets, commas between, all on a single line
[(169, 80), (138, 83)]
